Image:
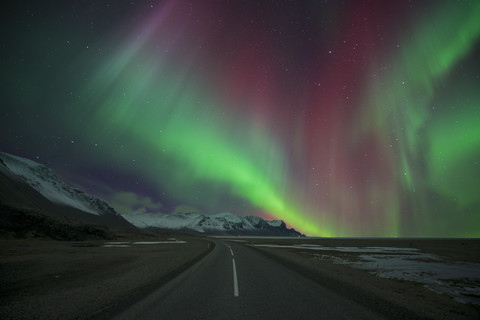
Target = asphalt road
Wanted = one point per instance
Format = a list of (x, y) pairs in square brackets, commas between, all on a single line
[(237, 282)]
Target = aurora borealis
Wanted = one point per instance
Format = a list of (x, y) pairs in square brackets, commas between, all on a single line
[(343, 118)]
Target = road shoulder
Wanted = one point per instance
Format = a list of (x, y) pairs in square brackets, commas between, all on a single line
[(81, 280), (394, 298)]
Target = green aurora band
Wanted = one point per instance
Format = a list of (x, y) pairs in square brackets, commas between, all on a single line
[(221, 111), (159, 103), (176, 121), (437, 153)]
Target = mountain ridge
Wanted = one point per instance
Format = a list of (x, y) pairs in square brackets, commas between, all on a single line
[(27, 212), (224, 223), (47, 183), (33, 191)]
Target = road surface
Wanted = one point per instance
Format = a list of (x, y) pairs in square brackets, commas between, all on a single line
[(237, 282)]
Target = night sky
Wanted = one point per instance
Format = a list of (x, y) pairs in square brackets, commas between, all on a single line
[(343, 118)]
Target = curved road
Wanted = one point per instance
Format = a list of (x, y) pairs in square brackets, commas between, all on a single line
[(237, 282)]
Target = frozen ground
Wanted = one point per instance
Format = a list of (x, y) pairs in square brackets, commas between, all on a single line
[(460, 280)]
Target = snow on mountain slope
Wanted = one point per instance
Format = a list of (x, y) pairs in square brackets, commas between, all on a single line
[(222, 223), (275, 223), (170, 221), (51, 187)]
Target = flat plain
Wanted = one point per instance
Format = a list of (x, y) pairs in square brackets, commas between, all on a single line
[(102, 279), (45, 279), (387, 273)]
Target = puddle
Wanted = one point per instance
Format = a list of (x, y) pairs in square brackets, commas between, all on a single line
[(116, 242), (127, 244), (116, 245), (157, 242)]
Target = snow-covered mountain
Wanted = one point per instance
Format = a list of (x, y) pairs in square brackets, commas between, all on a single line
[(27, 186), (46, 182), (34, 203), (222, 223)]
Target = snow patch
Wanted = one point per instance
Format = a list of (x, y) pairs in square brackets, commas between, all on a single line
[(275, 223), (460, 280), (159, 242), (344, 249), (45, 181)]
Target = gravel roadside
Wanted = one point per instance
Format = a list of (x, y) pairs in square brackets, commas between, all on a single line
[(398, 299), (80, 280)]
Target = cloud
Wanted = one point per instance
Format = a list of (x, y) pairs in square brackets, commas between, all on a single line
[(124, 202), (184, 208)]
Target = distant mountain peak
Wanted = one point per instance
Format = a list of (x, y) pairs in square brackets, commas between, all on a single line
[(225, 223)]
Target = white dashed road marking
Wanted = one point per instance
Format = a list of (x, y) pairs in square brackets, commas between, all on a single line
[(235, 280)]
